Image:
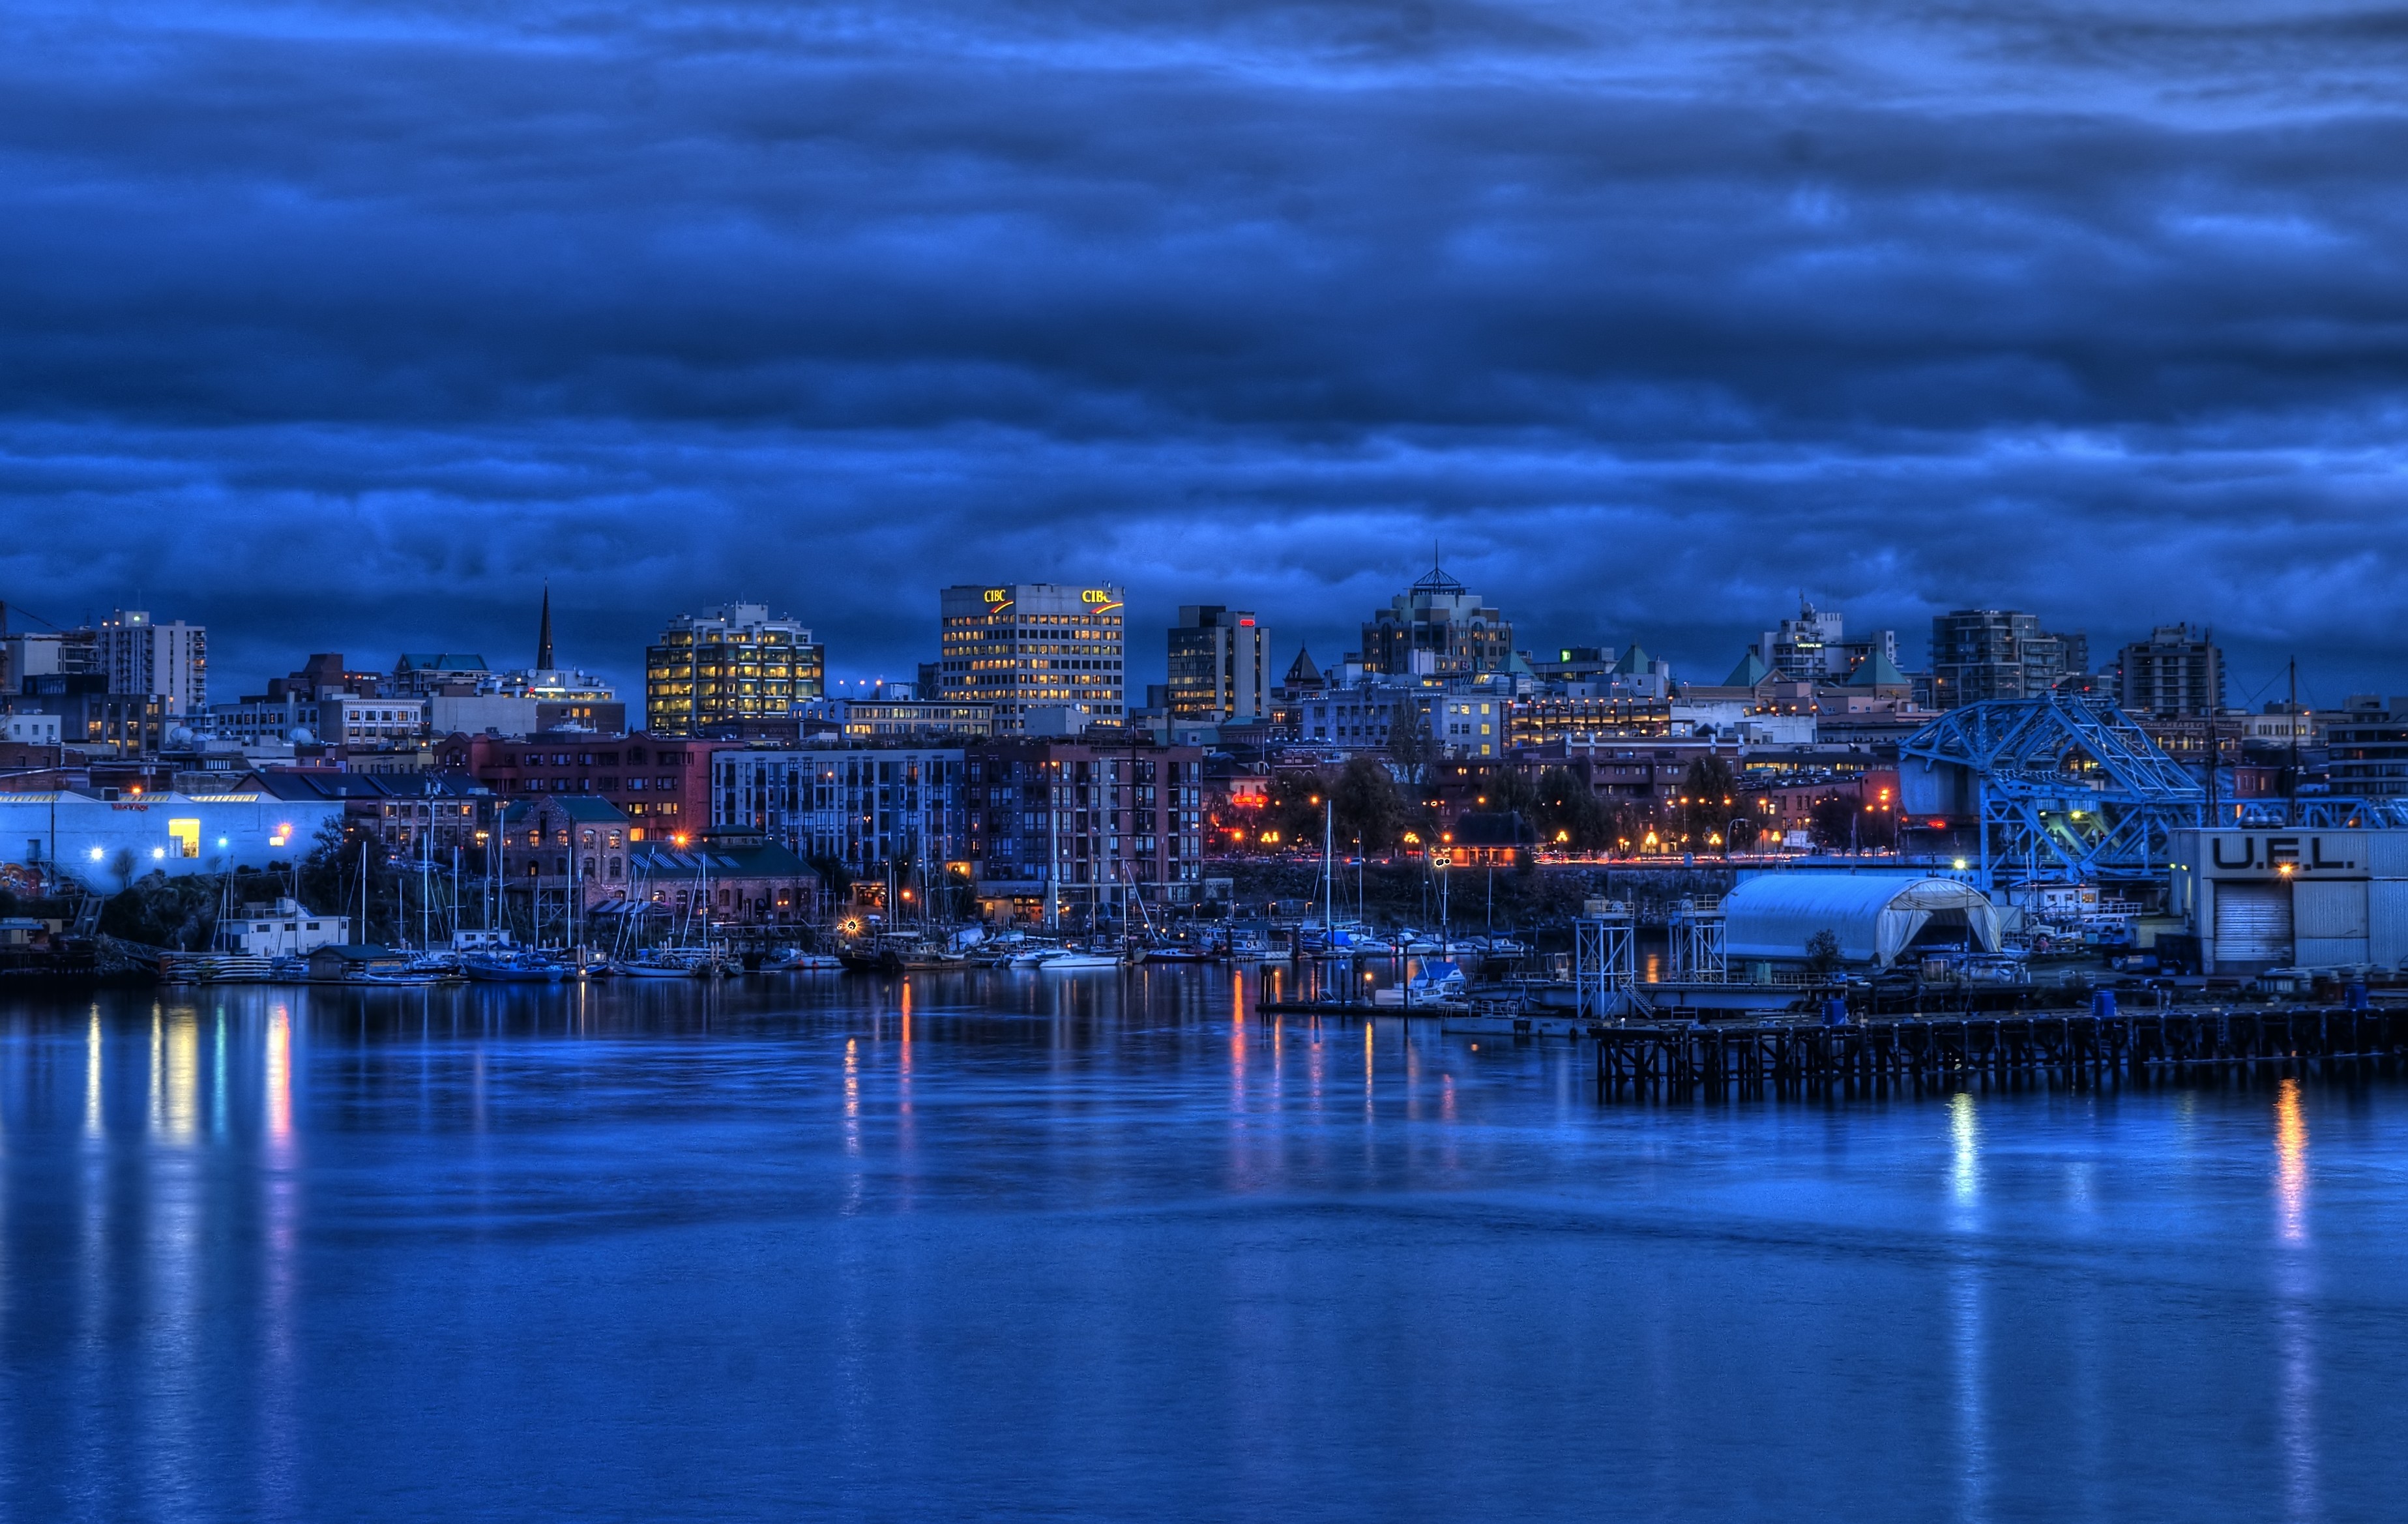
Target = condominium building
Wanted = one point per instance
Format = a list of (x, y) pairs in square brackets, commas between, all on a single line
[(1220, 664), (865, 809), (143, 657), (2173, 674), (1027, 646), (733, 664), (1072, 831), (1979, 654), (2367, 749)]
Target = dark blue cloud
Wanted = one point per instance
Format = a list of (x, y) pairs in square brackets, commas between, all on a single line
[(343, 327)]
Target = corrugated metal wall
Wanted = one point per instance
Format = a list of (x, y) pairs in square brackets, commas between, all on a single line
[(2253, 923)]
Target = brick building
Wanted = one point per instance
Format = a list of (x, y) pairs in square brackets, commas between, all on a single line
[(662, 786), (554, 845), (1105, 823)]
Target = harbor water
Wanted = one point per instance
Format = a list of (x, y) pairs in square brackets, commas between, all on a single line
[(1090, 1246)]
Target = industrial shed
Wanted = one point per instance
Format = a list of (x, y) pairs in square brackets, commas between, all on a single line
[(1875, 916)]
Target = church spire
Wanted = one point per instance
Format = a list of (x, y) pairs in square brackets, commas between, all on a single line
[(543, 633)]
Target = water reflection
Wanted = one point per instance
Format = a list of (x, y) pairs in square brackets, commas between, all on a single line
[(1968, 1316), (92, 1067), (1065, 1234), (278, 1076), (183, 1074), (2295, 1325), (2292, 1160)]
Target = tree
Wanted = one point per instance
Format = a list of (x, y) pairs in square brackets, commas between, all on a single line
[(1411, 746), (1876, 829), (161, 912), (1708, 792), (1295, 808), (1568, 815), (835, 876), (330, 878), (1370, 808), (1833, 821), (1823, 954)]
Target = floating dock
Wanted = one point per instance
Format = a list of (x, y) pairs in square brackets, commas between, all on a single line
[(1958, 1052)]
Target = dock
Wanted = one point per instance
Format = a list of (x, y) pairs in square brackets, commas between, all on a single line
[(1909, 1054), (1912, 1054)]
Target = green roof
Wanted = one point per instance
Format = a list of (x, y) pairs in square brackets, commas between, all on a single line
[(1634, 661), (1750, 671), (1877, 671)]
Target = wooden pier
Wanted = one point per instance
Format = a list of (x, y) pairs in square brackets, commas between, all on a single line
[(1961, 1052)]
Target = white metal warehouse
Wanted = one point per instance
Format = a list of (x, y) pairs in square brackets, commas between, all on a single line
[(1875, 916)]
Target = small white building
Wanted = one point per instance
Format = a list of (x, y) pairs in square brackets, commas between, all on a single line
[(351, 721), (29, 729), (282, 929)]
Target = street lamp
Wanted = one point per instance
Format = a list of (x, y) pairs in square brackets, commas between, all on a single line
[(1729, 834)]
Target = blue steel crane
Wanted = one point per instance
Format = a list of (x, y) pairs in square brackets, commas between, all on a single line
[(2065, 790)]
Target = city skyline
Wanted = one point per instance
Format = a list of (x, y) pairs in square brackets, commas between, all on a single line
[(245, 654)]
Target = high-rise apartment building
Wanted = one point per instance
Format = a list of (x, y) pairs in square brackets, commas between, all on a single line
[(1220, 664), (144, 658), (1443, 622), (2173, 674), (1979, 654), (735, 663), (1026, 646), (2367, 755), (1816, 645)]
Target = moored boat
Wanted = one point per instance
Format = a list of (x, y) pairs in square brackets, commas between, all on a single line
[(510, 968)]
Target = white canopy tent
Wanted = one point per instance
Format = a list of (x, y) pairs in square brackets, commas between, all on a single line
[(1875, 916)]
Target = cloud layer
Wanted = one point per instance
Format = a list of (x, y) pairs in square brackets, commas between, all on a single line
[(343, 327)]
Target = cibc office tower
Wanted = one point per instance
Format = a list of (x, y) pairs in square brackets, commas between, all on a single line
[(1032, 647)]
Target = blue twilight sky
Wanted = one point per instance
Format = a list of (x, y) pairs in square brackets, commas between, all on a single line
[(342, 326)]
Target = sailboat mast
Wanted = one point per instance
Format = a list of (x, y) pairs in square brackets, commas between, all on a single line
[(1328, 820)]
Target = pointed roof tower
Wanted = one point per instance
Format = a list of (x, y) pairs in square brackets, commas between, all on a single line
[(1303, 673), (543, 633)]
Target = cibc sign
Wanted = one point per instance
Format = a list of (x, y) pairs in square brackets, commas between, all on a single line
[(2282, 853)]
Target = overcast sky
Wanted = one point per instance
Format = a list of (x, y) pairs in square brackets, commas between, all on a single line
[(344, 326)]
